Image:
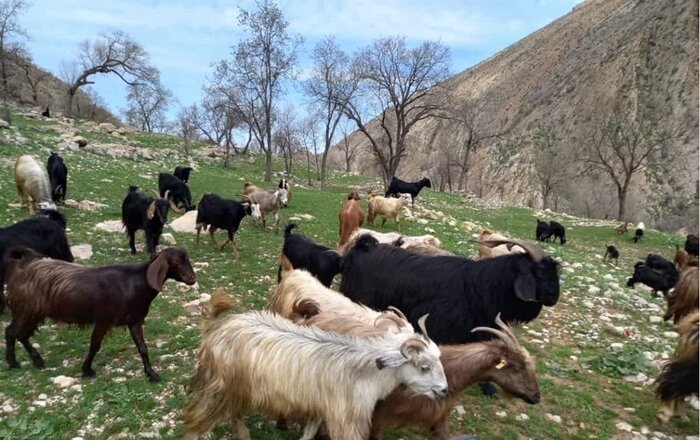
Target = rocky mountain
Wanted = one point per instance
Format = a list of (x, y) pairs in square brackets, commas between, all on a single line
[(637, 55)]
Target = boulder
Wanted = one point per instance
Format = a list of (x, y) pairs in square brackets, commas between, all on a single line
[(81, 141), (185, 223), (107, 127), (4, 124), (81, 251)]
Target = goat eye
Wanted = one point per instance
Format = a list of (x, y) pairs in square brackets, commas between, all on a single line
[(425, 368)]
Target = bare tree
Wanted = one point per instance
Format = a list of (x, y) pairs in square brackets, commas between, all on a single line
[(285, 136), (621, 145), (186, 127), (549, 162), (89, 103), (328, 87), (349, 150), (10, 32), (402, 85), (258, 67), (310, 139), (114, 53), (31, 76), (147, 105)]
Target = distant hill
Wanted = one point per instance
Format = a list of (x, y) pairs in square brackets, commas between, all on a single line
[(567, 74), (34, 86)]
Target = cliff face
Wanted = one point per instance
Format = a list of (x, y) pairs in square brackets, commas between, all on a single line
[(568, 75)]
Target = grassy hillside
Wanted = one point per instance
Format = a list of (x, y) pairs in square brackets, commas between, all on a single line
[(583, 391)]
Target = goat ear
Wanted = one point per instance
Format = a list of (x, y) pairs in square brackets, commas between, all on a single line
[(525, 284), (157, 271), (151, 211), (391, 359)]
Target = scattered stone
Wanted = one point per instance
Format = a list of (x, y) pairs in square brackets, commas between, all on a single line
[(635, 378), (107, 127), (110, 226), (670, 335), (655, 319), (84, 205), (168, 239), (81, 141), (81, 251), (593, 290), (522, 417), (422, 221), (4, 124), (616, 345), (252, 159), (460, 410), (501, 414), (62, 382), (7, 409), (644, 430), (201, 264), (623, 426), (185, 223), (192, 307), (42, 397), (553, 417), (306, 216)]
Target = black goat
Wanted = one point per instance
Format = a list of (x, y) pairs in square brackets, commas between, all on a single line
[(46, 236), (661, 265), (183, 173), (638, 234), (691, 244), (46, 113), (542, 231), (557, 230), (106, 296), (178, 193), (140, 211), (58, 175), (216, 212), (322, 262), (398, 186), (54, 215), (658, 281), (611, 253)]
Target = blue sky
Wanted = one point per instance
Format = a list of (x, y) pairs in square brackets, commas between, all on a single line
[(183, 38)]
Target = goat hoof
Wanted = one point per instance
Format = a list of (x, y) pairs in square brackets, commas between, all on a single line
[(39, 364), (13, 365), (89, 372), (153, 376)]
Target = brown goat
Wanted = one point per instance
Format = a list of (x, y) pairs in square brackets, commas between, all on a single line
[(426, 249), (684, 297), (107, 296), (351, 217), (622, 229), (682, 258)]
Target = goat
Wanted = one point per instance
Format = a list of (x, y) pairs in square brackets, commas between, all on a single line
[(269, 201), (393, 238), (638, 234), (321, 261), (398, 186), (283, 369), (216, 212), (658, 281), (106, 296), (459, 293), (183, 173), (46, 236), (350, 217), (385, 208), (622, 229), (679, 377), (175, 191), (33, 185), (491, 252), (58, 176), (46, 113), (691, 245), (611, 253), (142, 212), (661, 265), (426, 249), (684, 297), (556, 230), (681, 258), (542, 231)]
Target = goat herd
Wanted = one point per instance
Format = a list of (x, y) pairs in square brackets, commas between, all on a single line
[(351, 361)]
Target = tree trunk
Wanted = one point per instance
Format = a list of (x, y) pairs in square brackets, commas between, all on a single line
[(323, 169), (308, 167), (227, 155), (69, 108), (622, 204), (268, 165)]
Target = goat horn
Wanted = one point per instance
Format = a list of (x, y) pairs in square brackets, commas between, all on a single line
[(174, 207), (167, 193), (421, 326), (156, 193), (506, 329), (390, 317), (398, 312), (533, 250)]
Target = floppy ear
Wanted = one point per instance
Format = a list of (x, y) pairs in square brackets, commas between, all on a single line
[(525, 284), (157, 271), (391, 359), (151, 211)]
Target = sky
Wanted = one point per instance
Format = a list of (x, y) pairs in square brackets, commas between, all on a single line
[(183, 38)]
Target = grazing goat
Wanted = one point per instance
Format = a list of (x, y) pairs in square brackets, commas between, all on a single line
[(679, 377), (385, 208), (58, 176), (106, 296), (556, 230), (611, 253), (542, 231), (33, 185), (216, 212), (175, 191), (658, 281), (350, 217), (321, 261), (638, 234), (661, 265), (458, 293), (622, 229), (684, 297), (183, 173), (286, 370), (691, 245), (269, 201), (142, 212), (398, 186), (491, 252), (46, 236)]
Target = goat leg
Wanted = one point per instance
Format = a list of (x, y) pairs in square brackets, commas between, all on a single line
[(136, 331), (234, 245), (441, 430), (213, 238), (98, 333), (311, 429), (241, 430), (33, 353), (132, 241), (196, 242), (10, 341)]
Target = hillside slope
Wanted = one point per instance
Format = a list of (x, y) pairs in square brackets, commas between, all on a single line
[(567, 75)]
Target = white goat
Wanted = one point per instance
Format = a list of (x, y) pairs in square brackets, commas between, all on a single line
[(259, 361), (391, 238), (487, 252), (270, 201), (33, 184), (385, 207)]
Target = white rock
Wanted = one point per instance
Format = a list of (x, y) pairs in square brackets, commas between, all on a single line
[(460, 410), (655, 319), (608, 277), (7, 409), (110, 226), (501, 414), (201, 264), (593, 290), (42, 397), (522, 417), (4, 124), (588, 304), (63, 381), (204, 297), (307, 216), (81, 251), (41, 403), (623, 426), (616, 345), (671, 335), (77, 438), (185, 223), (107, 127), (553, 418), (168, 239), (422, 221), (636, 378), (577, 265), (644, 430)]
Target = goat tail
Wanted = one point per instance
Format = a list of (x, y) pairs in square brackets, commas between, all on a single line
[(285, 267), (304, 309), (288, 229), (219, 303)]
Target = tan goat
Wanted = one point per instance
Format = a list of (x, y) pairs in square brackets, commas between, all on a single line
[(386, 208)]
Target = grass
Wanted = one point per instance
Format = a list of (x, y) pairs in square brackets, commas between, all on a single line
[(581, 377)]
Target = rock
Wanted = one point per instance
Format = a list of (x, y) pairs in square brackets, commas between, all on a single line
[(623, 426), (7, 409), (205, 297), (192, 307), (63, 382), (185, 223), (81, 251), (670, 335), (306, 216), (593, 290), (635, 378), (42, 397), (107, 127), (168, 239), (84, 205), (460, 410), (110, 226), (501, 414), (522, 417), (4, 124), (656, 319), (616, 345), (81, 141), (252, 159), (553, 417), (77, 438), (422, 221)]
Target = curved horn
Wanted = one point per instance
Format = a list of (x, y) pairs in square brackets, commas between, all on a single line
[(389, 317), (533, 250), (421, 326), (506, 329), (174, 207), (157, 194), (398, 312), (167, 193)]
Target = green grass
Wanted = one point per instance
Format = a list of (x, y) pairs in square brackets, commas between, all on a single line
[(580, 376)]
